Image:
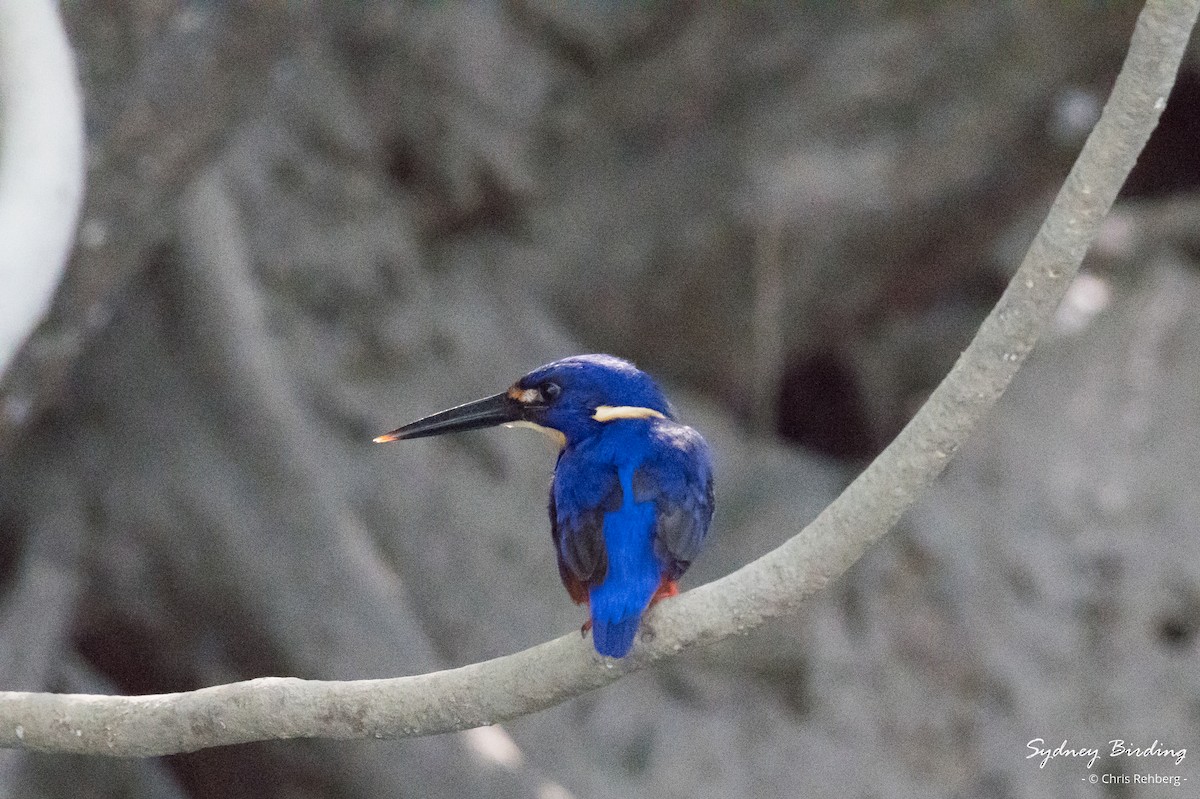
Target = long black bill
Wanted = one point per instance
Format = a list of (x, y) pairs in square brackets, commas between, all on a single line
[(486, 412)]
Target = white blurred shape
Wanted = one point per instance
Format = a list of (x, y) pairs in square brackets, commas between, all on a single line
[(1076, 112), (41, 164), (1087, 296), (552, 790), (494, 745), (1118, 236), (93, 233)]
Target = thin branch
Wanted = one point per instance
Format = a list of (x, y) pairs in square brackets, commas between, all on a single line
[(767, 360), (507, 687)]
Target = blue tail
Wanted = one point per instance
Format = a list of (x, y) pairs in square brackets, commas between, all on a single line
[(614, 639), (617, 604)]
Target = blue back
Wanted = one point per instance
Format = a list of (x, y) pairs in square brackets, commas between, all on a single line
[(631, 498)]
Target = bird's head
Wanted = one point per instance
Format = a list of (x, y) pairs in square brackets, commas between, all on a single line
[(572, 399)]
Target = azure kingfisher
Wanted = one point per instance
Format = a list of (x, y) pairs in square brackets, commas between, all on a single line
[(631, 496)]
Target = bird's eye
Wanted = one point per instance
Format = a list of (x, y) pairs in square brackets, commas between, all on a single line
[(550, 391)]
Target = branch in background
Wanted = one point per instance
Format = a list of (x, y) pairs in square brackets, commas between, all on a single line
[(767, 339), (41, 164), (507, 687)]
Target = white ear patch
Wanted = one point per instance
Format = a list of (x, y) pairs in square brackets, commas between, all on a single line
[(608, 413)]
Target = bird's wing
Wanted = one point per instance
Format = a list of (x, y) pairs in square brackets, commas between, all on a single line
[(678, 479), (579, 498)]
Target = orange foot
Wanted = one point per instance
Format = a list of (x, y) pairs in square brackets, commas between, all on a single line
[(584, 628)]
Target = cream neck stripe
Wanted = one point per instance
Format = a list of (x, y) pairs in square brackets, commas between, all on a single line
[(608, 413)]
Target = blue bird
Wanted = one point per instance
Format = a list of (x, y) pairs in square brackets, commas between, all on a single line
[(631, 496)]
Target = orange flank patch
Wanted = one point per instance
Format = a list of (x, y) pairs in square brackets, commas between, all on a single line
[(577, 590), (666, 590)]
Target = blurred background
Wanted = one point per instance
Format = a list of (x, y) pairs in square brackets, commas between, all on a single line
[(306, 223)]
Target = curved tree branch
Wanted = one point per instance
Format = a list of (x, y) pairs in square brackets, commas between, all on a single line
[(775, 584)]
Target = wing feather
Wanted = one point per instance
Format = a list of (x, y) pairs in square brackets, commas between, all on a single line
[(577, 526), (678, 479)]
